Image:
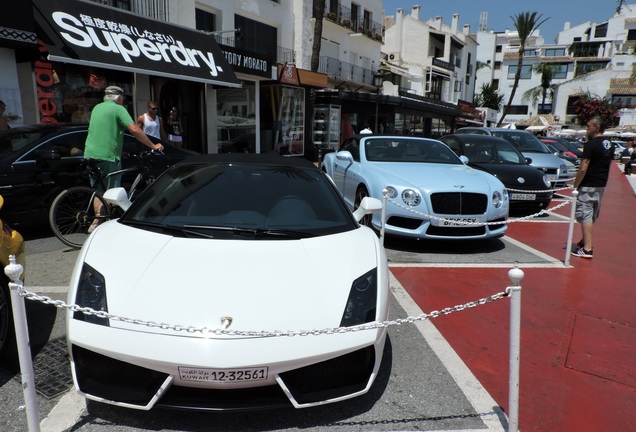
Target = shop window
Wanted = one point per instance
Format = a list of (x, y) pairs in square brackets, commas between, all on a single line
[(73, 91), (236, 117), (289, 139)]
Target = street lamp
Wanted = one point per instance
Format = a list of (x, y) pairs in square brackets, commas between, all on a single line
[(378, 79)]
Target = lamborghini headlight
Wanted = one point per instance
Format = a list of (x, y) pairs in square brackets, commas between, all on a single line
[(361, 304), (91, 293)]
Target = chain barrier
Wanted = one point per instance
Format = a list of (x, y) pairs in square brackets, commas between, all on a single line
[(262, 333)]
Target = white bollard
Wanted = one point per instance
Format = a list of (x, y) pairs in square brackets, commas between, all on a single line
[(384, 202), (14, 271), (515, 275), (568, 246)]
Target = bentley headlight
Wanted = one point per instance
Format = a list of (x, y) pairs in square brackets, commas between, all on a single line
[(411, 197), (546, 181), (391, 192), (361, 304), (91, 293), (497, 199)]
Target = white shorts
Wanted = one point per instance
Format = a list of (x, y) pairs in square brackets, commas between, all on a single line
[(175, 138)]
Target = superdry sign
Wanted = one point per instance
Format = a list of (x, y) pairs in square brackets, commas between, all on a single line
[(88, 34)]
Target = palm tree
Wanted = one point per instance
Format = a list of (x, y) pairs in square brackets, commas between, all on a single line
[(525, 23), (318, 14), (489, 97), (545, 88)]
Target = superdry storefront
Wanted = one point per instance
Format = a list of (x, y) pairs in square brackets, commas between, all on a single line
[(84, 47)]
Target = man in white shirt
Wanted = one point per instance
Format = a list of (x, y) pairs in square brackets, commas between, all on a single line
[(151, 123)]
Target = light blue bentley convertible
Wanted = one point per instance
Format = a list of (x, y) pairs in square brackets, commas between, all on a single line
[(432, 193)]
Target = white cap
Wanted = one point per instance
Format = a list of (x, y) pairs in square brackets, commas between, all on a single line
[(114, 90)]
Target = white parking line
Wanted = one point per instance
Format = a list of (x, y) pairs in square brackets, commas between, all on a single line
[(484, 405), (65, 414)]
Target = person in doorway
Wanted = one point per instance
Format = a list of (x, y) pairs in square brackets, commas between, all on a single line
[(630, 162), (175, 128), (4, 125), (151, 123), (590, 181), (105, 140)]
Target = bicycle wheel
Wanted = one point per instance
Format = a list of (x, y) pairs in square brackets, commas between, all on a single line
[(71, 214)]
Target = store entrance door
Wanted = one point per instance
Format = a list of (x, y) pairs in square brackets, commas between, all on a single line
[(187, 97)]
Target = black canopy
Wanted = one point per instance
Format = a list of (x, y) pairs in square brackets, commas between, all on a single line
[(93, 35)]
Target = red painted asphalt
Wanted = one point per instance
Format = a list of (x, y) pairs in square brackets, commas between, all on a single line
[(578, 329)]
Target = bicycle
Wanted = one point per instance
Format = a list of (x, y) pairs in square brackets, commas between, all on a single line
[(72, 212)]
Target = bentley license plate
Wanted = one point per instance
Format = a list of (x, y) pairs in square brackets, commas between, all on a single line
[(222, 375), (523, 196), (458, 221)]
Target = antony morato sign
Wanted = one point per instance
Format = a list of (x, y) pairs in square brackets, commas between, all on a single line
[(96, 35)]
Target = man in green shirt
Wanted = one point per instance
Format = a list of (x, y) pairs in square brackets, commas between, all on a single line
[(105, 139)]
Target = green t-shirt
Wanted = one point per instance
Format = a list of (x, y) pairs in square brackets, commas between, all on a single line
[(106, 131)]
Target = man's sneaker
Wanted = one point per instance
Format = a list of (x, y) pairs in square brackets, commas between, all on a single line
[(577, 246), (582, 253)]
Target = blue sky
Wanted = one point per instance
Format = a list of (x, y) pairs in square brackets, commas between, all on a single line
[(500, 11)]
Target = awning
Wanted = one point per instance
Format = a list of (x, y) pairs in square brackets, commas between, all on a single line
[(396, 69), (88, 34), (469, 121), (536, 128), (16, 27)]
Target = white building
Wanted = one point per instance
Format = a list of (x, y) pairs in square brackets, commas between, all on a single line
[(587, 58), (433, 60)]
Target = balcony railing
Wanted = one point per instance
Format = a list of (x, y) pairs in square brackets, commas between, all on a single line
[(406, 92), (345, 71), (343, 17), (285, 55), (155, 9)]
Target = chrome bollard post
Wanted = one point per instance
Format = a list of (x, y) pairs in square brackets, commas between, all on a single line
[(568, 246), (515, 275), (385, 193), (14, 271)]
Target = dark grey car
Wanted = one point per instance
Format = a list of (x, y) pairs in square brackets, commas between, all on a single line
[(37, 162), (559, 171)]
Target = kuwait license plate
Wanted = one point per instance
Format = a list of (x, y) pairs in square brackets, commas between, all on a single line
[(523, 196), (551, 177), (222, 375), (458, 221)]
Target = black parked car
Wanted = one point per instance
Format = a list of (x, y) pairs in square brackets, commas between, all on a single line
[(529, 188), (37, 162)]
